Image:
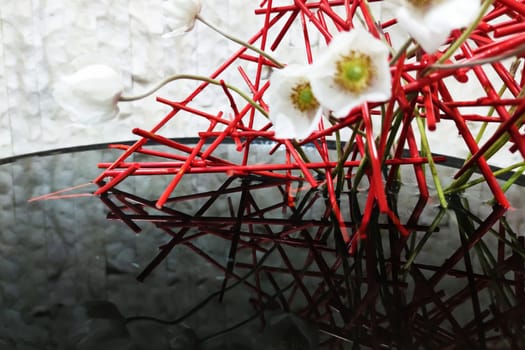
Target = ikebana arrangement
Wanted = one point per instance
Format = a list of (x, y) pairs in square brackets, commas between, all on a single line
[(353, 111), (359, 85)]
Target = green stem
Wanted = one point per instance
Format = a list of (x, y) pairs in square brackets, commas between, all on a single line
[(483, 179), (513, 178), (342, 157), (493, 149), (510, 181), (397, 120), (426, 149), (198, 78), (303, 155), (399, 52), (501, 91), (515, 52), (340, 172), (462, 186), (241, 42), (360, 172)]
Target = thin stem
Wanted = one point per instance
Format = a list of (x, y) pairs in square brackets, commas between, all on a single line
[(232, 328), (198, 78), (247, 320), (347, 150), (426, 149), (493, 149), (304, 156), (421, 243), (513, 178), (503, 88), (510, 181), (401, 51), (515, 52), (241, 42), (340, 173), (360, 172), (210, 297), (483, 179)]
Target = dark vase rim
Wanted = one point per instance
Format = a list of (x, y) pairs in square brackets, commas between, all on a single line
[(451, 161)]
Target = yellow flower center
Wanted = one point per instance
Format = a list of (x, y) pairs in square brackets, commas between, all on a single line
[(423, 4), (303, 98), (354, 72)]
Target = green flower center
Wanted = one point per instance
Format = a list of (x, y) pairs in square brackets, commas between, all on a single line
[(354, 72), (303, 98)]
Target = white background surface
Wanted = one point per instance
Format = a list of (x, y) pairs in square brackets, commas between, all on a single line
[(41, 40)]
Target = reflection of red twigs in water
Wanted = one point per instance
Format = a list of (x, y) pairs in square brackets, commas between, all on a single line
[(326, 281)]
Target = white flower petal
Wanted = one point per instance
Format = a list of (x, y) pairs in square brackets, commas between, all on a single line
[(431, 27), (429, 38), (180, 15), (288, 121), (293, 126), (322, 76), (91, 94), (453, 13)]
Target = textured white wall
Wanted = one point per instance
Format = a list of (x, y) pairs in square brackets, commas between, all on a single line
[(42, 40)]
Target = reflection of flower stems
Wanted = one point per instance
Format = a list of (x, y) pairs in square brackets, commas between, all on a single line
[(502, 295), (426, 149), (430, 232), (231, 328), (488, 264), (199, 78), (249, 319), (514, 242), (241, 42), (203, 303), (465, 225)]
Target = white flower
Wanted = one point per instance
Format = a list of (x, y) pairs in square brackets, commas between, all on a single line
[(429, 22), (354, 69), (91, 94), (180, 15), (294, 110)]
